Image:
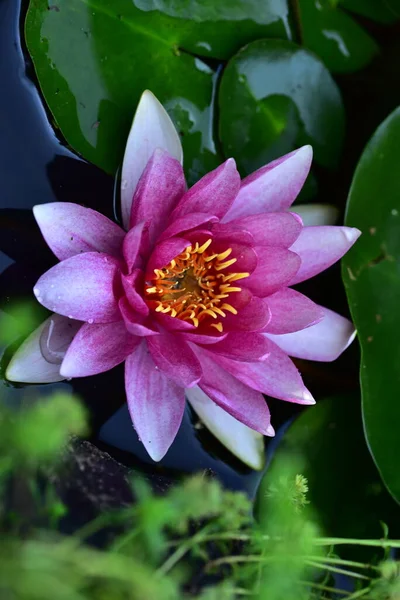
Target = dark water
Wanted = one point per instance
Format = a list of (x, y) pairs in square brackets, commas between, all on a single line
[(35, 167)]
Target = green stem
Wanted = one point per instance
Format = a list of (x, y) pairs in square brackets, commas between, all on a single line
[(383, 543), (331, 569), (180, 552), (325, 588), (340, 561)]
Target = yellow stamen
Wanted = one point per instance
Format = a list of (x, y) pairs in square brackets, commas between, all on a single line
[(193, 286)]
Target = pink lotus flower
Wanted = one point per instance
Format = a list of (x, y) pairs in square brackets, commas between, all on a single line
[(194, 295)]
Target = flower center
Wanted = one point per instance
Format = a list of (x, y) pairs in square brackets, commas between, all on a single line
[(194, 286)]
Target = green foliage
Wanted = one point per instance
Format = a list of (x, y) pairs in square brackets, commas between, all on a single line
[(371, 276), (196, 525)]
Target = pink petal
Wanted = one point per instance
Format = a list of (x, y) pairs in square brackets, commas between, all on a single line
[(243, 346), (273, 187), (151, 128), (324, 341), (320, 247), (240, 401), (276, 376), (213, 194), (136, 323), (70, 229), (291, 311), (156, 404), (173, 324), (136, 246), (186, 223), (164, 252), (200, 338), (82, 288), (275, 268), (245, 443), (160, 187), (176, 359), (133, 285), (98, 348), (254, 315), (39, 357), (267, 229)]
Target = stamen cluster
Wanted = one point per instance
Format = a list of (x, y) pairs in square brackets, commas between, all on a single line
[(194, 286)]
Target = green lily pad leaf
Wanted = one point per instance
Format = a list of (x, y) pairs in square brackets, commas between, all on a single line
[(93, 61), (372, 279), (275, 96), (334, 36), (345, 490), (376, 10)]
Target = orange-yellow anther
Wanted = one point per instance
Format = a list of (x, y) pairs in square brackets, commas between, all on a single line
[(193, 287)]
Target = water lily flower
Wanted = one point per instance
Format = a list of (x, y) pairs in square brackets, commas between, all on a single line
[(194, 294)]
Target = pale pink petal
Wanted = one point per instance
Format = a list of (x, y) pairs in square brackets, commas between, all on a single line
[(70, 229), (277, 376), (273, 187), (291, 311), (176, 359), (239, 400), (267, 229), (98, 348), (164, 252), (82, 288), (39, 357), (136, 323), (320, 247), (324, 341), (160, 187), (316, 214), (243, 346), (133, 285), (244, 443), (156, 404), (213, 194), (151, 128), (186, 223), (136, 246), (276, 267)]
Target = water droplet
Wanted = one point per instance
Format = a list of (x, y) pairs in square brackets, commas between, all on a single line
[(70, 317), (36, 291), (124, 184), (52, 285), (90, 321), (395, 212), (58, 297)]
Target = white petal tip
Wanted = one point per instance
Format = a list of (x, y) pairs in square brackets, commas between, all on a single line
[(351, 234), (270, 431), (307, 399)]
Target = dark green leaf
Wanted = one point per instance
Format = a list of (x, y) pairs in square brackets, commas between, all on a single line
[(332, 34), (344, 485), (371, 275), (275, 96), (94, 59), (377, 10)]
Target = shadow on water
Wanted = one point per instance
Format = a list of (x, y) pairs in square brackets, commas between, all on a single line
[(35, 167)]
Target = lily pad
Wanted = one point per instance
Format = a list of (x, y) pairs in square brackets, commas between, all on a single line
[(338, 40), (94, 59), (371, 275), (345, 490), (275, 96)]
